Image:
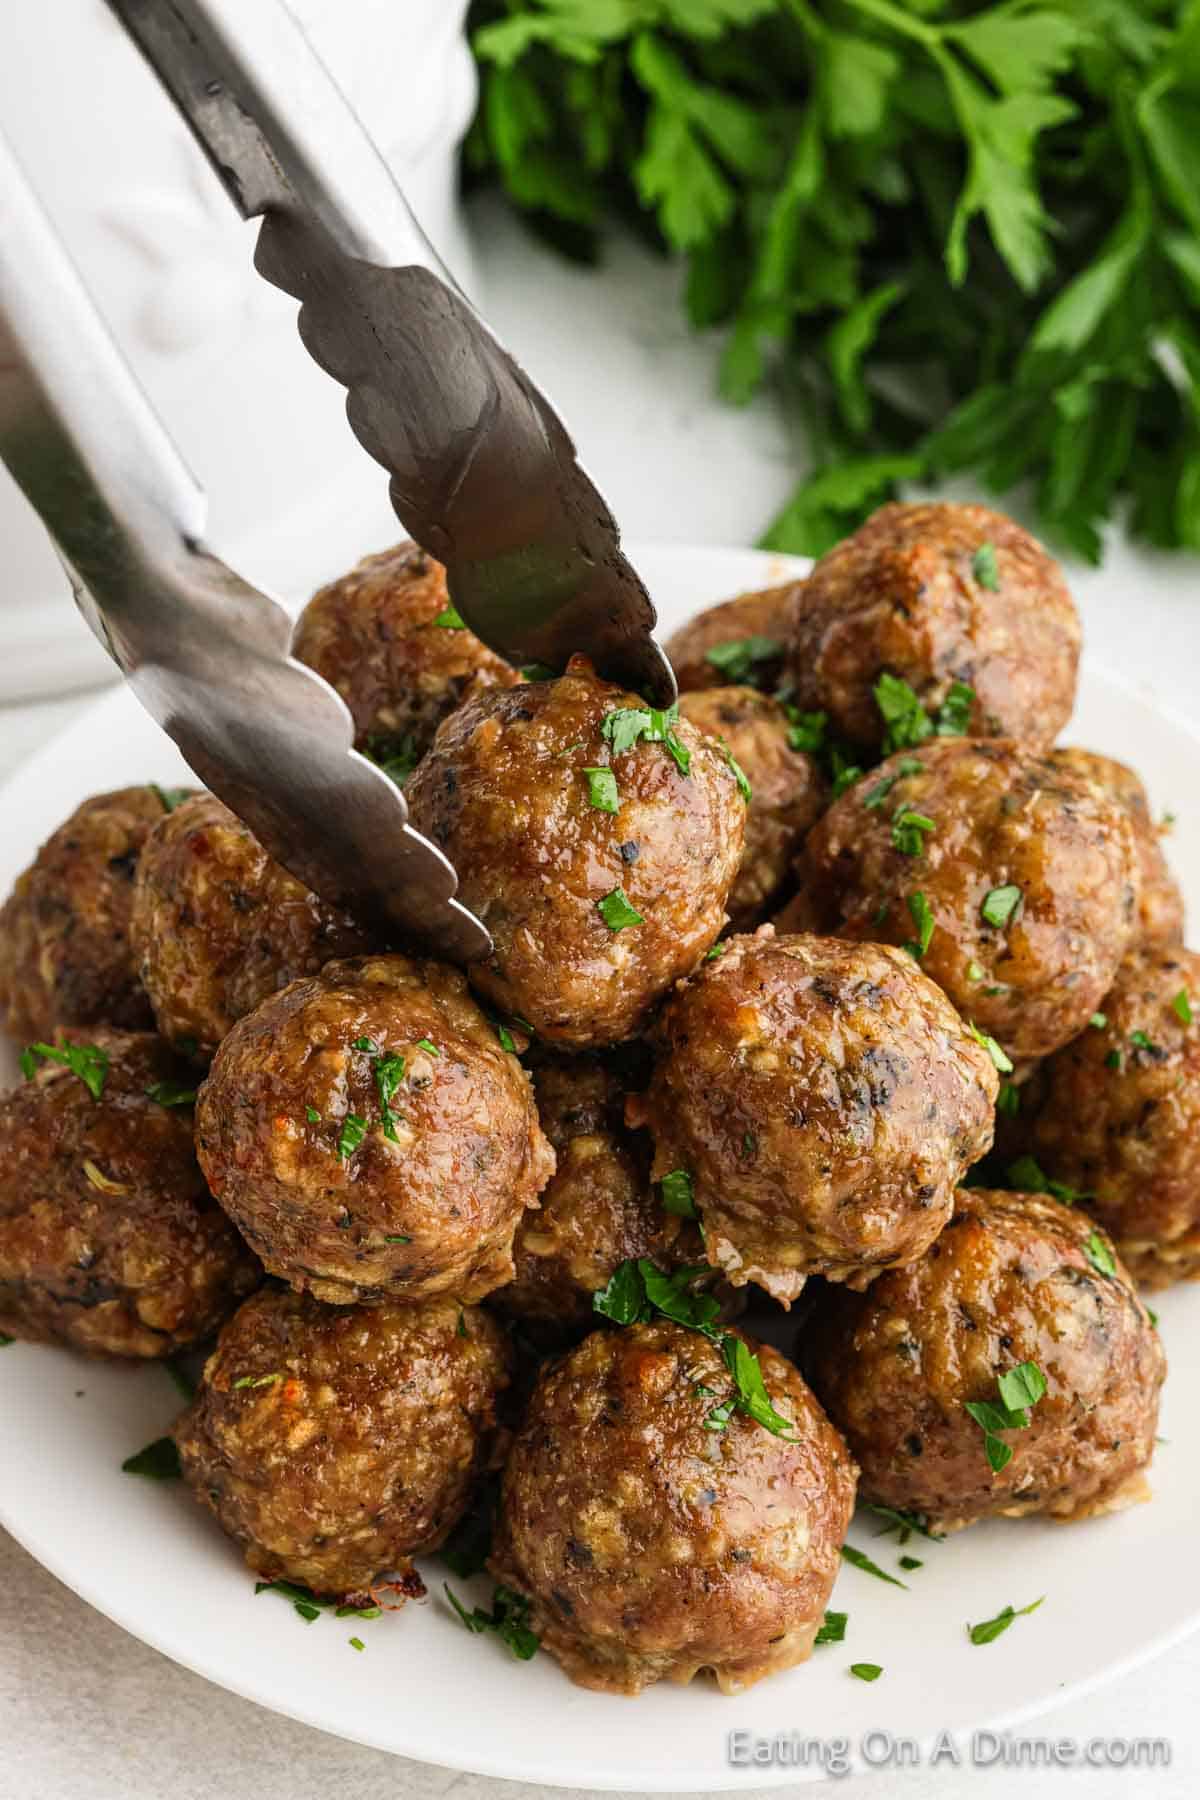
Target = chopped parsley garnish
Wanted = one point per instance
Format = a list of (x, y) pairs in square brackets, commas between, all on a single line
[(904, 717), (508, 1618), (397, 1237), (312, 1115), (875, 796), (843, 773), (87, 1061), (354, 1129), (356, 1643), (909, 830), (450, 619), (717, 950), (999, 1057), (159, 1461), (5, 1340), (1100, 1255), (983, 566), (603, 792), (739, 774), (1098, 1021), (807, 731), (396, 756), (833, 1630), (171, 1093), (736, 658), (1140, 1041), (1019, 1389), (170, 798), (628, 725), (990, 1629), (429, 1047), (974, 972), (308, 1605), (1027, 1176), (617, 912), (677, 1196), (921, 914), (867, 1671), (536, 671), (389, 1073), (1000, 904), (905, 1523), (910, 1563), (636, 1291), (954, 714), (257, 1381), (1113, 1060), (860, 1560), (367, 1045), (1008, 1100), (507, 1041), (1181, 1006)]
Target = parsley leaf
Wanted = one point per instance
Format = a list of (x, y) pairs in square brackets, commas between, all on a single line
[(1000, 905), (1019, 1389), (354, 1129), (737, 658), (677, 1196), (508, 1620), (833, 1629), (1001, 198), (921, 914), (603, 793), (905, 720), (450, 619), (617, 911), (88, 1061), (159, 1461), (990, 1629), (171, 1093)]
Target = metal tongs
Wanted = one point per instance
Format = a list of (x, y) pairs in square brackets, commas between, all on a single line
[(483, 472)]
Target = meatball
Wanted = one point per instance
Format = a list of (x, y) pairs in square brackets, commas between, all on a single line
[(218, 925), (335, 1443), (1119, 1115), (370, 1136), (744, 639), (65, 955), (1161, 912), (599, 1209), (387, 638), (1011, 873), (109, 1239), (652, 1545), (1013, 1279), (825, 1098), (596, 839), (788, 791), (939, 594)]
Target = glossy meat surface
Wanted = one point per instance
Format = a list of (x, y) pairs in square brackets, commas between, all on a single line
[(652, 1547)]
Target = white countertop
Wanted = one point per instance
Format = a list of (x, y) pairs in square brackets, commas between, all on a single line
[(88, 1713)]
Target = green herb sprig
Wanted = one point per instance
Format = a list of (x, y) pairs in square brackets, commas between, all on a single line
[(954, 237)]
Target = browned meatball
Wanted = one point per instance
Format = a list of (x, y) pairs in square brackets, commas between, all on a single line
[(599, 1209), (370, 1136), (65, 954), (744, 639), (1161, 913), (938, 594), (1014, 1278), (335, 1443), (825, 1099), (594, 912), (385, 637), (109, 1239), (1119, 1115), (788, 791), (1026, 867), (218, 924), (652, 1546)]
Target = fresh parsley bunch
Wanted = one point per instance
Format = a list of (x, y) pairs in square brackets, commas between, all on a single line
[(960, 236)]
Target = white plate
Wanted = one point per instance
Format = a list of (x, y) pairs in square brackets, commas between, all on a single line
[(1117, 1590)]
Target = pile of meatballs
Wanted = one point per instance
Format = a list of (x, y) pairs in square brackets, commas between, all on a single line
[(838, 989)]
